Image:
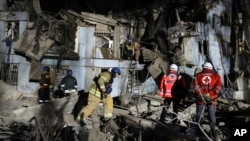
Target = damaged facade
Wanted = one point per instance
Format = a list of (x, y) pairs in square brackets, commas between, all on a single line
[(87, 43)]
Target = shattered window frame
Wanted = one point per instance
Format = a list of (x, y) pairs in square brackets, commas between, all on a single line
[(106, 49)]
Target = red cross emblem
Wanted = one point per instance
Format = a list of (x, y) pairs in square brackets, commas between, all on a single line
[(206, 80), (172, 76)]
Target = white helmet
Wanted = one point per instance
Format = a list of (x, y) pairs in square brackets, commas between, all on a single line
[(208, 65), (174, 67)]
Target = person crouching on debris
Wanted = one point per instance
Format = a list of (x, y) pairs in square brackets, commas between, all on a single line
[(69, 83), (99, 91), (172, 88), (45, 86), (58, 93), (207, 86)]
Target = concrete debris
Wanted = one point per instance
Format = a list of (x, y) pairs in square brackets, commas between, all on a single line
[(135, 117), (6, 92), (138, 119)]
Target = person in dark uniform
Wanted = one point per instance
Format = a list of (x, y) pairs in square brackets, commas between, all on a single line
[(69, 83), (45, 86), (58, 93)]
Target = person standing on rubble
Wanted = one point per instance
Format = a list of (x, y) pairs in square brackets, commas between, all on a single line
[(132, 51), (172, 89), (69, 83), (137, 51), (45, 86), (99, 91), (207, 85)]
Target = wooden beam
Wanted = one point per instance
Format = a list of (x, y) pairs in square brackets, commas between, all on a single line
[(95, 18)]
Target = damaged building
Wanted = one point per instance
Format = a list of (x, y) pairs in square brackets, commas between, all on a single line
[(100, 36)]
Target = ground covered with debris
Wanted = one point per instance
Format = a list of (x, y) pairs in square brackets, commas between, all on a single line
[(135, 119)]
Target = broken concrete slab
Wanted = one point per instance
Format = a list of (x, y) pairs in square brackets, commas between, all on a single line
[(7, 92), (24, 42)]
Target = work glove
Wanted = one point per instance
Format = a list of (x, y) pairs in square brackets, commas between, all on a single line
[(201, 98), (207, 97), (108, 88), (214, 102)]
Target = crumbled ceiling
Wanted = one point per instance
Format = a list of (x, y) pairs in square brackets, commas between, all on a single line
[(94, 6), (187, 8)]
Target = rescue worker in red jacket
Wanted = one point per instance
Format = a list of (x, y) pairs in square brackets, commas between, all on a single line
[(172, 88), (207, 86), (99, 91), (45, 86)]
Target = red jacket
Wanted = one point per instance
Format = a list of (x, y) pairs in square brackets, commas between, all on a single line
[(168, 87), (207, 82)]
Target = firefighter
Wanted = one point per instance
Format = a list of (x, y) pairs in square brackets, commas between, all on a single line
[(69, 83), (207, 86), (45, 86), (99, 91), (172, 89)]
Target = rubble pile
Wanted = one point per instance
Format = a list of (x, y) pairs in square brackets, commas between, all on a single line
[(25, 120)]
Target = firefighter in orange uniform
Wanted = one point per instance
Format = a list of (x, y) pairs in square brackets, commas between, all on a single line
[(99, 91), (45, 86), (207, 86), (172, 88)]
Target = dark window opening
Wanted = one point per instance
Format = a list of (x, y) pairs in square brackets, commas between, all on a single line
[(203, 47), (226, 19), (10, 3), (9, 73)]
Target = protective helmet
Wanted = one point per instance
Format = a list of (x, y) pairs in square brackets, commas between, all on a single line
[(208, 65), (46, 68), (69, 72), (174, 67), (116, 70)]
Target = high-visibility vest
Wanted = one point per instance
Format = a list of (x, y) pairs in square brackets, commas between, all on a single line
[(166, 86), (207, 82)]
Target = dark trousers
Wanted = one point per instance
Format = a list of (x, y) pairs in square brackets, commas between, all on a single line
[(212, 118), (165, 110), (44, 95)]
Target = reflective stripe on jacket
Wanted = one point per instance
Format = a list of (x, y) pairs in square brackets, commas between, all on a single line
[(208, 82), (166, 85), (69, 82), (103, 79), (45, 80)]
